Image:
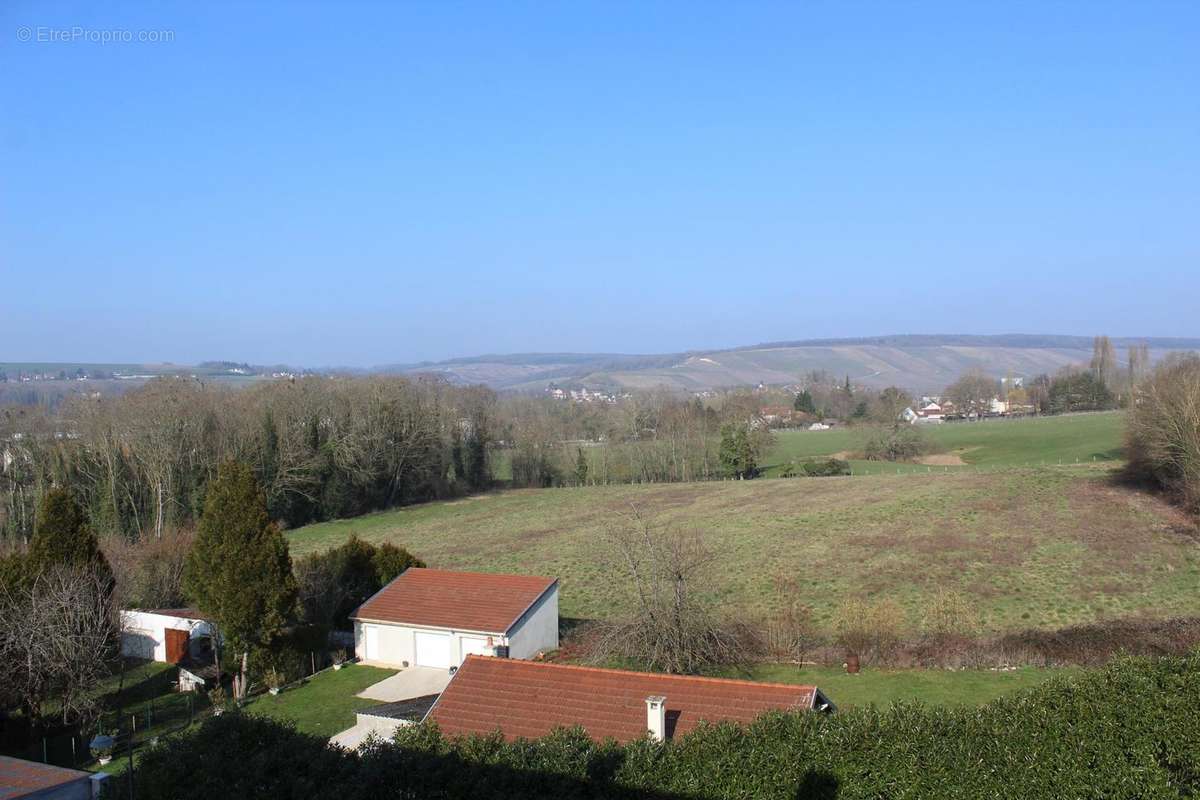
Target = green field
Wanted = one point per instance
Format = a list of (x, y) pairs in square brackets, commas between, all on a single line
[(989, 444), (1039, 547), (933, 686)]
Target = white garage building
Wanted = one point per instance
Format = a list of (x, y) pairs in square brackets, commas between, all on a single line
[(436, 618)]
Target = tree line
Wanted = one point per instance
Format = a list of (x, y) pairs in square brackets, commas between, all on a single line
[(60, 599), (321, 448)]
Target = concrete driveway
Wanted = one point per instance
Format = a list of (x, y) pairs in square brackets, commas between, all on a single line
[(408, 683)]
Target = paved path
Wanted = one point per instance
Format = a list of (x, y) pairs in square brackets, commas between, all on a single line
[(408, 683)]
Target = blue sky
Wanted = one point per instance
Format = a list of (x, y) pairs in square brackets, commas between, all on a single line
[(373, 183)]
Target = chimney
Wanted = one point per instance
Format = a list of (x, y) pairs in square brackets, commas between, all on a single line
[(656, 717)]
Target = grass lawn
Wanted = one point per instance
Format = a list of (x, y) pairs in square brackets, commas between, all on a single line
[(1032, 441), (933, 686), (1039, 547), (325, 704)]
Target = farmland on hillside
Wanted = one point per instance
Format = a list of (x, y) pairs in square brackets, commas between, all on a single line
[(992, 443), (1038, 547), (1030, 441)]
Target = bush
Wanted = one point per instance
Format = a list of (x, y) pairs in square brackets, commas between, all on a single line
[(1079, 391), (896, 443), (872, 631), (1163, 434), (1130, 730), (333, 583), (949, 625), (826, 468)]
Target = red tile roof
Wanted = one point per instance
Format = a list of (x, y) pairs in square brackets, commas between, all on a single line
[(469, 601), (20, 778), (529, 699)]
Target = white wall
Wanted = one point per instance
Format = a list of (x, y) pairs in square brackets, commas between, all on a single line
[(397, 643), (537, 630), (142, 633)]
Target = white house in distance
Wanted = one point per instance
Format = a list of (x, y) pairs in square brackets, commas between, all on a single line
[(436, 618)]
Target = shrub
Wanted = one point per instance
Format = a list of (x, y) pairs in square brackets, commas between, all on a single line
[(872, 631), (895, 443), (949, 625), (1163, 433), (825, 468), (333, 583), (949, 614)]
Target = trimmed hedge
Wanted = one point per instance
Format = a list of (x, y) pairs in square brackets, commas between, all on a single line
[(1129, 730)]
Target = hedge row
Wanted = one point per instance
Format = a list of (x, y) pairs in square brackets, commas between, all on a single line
[(1129, 730)]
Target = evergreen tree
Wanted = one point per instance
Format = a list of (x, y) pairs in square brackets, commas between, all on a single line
[(239, 572), (804, 402), (390, 561), (478, 476), (581, 467), (62, 536), (736, 452)]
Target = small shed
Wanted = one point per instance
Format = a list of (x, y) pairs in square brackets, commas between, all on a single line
[(165, 634)]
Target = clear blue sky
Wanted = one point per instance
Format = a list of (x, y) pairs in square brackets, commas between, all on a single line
[(371, 183)]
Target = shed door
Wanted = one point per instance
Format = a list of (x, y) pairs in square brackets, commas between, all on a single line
[(177, 645), (433, 649), (475, 646)]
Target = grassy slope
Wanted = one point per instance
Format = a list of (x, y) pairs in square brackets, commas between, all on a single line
[(325, 704), (1034, 441), (933, 686), (1039, 547)]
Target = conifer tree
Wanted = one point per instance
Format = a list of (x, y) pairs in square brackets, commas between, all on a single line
[(239, 572), (62, 536)]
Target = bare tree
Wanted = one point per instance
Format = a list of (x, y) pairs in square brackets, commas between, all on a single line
[(667, 626), (57, 641), (1104, 361), (790, 633), (972, 394)]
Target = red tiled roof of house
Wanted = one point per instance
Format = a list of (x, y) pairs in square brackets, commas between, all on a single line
[(21, 778), (470, 601), (529, 699)]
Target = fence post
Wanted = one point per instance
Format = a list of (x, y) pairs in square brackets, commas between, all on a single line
[(133, 726)]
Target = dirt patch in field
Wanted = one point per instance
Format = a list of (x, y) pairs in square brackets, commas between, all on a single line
[(941, 460)]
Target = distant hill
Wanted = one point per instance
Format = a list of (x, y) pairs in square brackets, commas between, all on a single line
[(919, 362)]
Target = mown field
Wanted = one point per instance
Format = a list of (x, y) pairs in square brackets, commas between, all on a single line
[(988, 444), (1033, 547)]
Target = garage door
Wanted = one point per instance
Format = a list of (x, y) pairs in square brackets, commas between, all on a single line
[(475, 646), (433, 649)]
